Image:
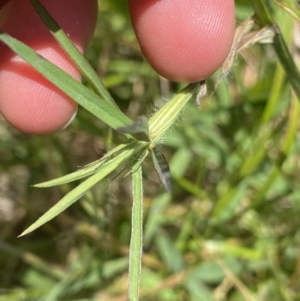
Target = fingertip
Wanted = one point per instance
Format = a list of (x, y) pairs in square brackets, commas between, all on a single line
[(70, 120), (3, 3), (28, 101), (184, 40)]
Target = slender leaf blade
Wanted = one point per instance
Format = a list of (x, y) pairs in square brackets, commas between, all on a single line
[(82, 188), (84, 172), (104, 110), (291, 6), (68, 200), (76, 56), (264, 17)]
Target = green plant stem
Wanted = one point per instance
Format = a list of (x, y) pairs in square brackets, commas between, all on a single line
[(274, 95), (279, 75), (264, 18), (136, 242), (285, 148)]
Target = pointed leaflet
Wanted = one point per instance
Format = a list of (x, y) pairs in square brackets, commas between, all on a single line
[(84, 172), (82, 188), (162, 167), (71, 50), (104, 110)]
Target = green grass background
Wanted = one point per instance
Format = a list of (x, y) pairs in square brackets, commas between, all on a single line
[(230, 231)]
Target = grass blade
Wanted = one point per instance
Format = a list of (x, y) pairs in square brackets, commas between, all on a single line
[(264, 17), (136, 242), (86, 171), (291, 6), (81, 189), (83, 65), (104, 110), (69, 199)]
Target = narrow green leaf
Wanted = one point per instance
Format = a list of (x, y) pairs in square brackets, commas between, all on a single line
[(104, 110), (31, 259), (286, 146), (84, 172), (264, 17), (69, 199), (155, 217), (198, 290), (227, 203), (83, 65), (82, 188), (136, 242), (162, 167), (291, 6), (168, 252)]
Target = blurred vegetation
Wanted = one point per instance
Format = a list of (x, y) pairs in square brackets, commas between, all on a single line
[(230, 231)]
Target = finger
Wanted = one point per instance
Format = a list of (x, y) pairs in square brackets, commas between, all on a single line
[(27, 100), (184, 40), (3, 2)]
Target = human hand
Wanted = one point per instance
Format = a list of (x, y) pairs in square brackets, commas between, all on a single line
[(183, 40)]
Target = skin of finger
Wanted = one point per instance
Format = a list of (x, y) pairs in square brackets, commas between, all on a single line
[(3, 2), (184, 41), (28, 101)]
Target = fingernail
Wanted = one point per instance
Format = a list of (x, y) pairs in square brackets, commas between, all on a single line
[(70, 120)]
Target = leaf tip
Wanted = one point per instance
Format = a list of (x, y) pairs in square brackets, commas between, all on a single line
[(23, 233)]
